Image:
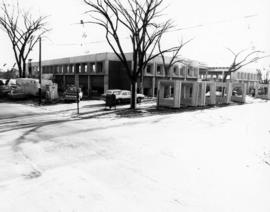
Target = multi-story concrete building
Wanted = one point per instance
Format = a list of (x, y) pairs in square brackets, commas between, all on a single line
[(98, 72)]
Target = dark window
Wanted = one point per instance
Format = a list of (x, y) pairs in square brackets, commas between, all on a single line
[(92, 67), (182, 71), (159, 69), (99, 67), (149, 69)]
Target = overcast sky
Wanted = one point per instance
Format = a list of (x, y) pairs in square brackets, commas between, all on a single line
[(221, 24)]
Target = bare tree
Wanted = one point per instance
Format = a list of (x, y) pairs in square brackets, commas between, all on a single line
[(174, 56), (240, 61), (263, 76), (141, 20), (23, 31)]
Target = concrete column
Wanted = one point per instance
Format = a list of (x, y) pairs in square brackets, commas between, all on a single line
[(203, 91), (229, 92), (153, 87), (154, 78), (177, 93), (64, 80), (106, 75), (248, 86), (244, 93), (77, 80), (184, 91), (212, 93), (194, 94), (160, 93), (83, 69), (268, 92), (89, 85), (88, 68)]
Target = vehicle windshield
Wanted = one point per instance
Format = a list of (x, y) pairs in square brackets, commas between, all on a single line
[(113, 92), (73, 89)]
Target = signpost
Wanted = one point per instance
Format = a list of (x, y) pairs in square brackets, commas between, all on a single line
[(77, 92)]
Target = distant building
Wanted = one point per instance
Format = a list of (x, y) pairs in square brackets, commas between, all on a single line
[(244, 75)]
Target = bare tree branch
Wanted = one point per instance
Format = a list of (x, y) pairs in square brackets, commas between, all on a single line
[(140, 20), (237, 63), (23, 31)]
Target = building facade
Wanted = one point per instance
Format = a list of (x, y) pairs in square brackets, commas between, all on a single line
[(97, 73), (246, 75)]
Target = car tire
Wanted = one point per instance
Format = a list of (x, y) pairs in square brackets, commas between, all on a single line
[(118, 101), (139, 100)]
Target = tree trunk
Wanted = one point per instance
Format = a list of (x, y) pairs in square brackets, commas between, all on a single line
[(225, 77), (24, 68), (141, 88), (20, 70), (133, 101)]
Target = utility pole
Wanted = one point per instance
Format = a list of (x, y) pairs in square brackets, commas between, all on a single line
[(40, 70)]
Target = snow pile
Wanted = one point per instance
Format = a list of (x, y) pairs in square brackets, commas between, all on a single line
[(206, 160)]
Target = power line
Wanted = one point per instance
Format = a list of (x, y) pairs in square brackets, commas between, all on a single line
[(215, 22), (174, 30)]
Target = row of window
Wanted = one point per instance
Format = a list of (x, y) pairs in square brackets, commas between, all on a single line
[(246, 76), (73, 68), (174, 71), (98, 68)]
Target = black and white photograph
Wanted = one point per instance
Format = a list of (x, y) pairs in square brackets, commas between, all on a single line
[(134, 106)]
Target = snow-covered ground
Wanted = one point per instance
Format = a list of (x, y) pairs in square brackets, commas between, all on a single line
[(209, 160)]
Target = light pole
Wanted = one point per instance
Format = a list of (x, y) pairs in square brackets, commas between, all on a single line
[(76, 79)]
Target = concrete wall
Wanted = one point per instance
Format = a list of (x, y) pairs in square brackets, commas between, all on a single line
[(165, 98), (236, 96), (263, 91), (190, 93)]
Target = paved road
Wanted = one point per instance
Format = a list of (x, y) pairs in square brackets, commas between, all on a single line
[(16, 121), (20, 120)]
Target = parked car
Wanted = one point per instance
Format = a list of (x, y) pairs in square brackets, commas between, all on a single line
[(2, 81), (70, 94), (122, 96), (6, 85), (4, 89)]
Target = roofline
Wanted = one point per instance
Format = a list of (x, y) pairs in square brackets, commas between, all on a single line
[(104, 56)]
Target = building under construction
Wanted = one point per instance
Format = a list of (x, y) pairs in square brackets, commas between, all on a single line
[(96, 73)]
